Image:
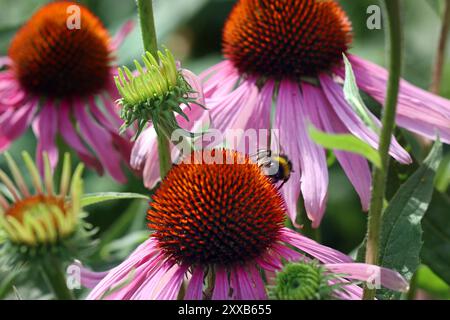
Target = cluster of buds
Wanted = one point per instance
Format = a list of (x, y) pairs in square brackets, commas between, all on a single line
[(304, 281)]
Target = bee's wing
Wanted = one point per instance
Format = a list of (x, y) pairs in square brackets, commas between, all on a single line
[(275, 141)]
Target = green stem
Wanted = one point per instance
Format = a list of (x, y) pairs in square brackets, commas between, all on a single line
[(145, 9), (411, 295), (440, 56), (392, 9), (165, 161), (53, 273)]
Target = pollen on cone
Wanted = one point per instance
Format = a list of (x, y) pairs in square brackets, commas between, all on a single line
[(52, 57), (223, 211), (286, 38)]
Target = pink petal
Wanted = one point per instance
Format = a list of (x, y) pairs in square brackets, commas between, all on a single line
[(116, 276), (45, 127), (89, 279), (194, 290), (356, 167), (219, 79), (316, 250), (246, 285), (418, 110), (5, 61), (14, 122), (70, 136), (170, 284), (101, 141), (120, 36), (355, 125), (196, 85), (221, 285), (314, 170), (257, 281), (374, 274), (227, 112)]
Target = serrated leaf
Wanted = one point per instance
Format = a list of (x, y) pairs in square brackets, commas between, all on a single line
[(353, 97), (94, 198), (401, 235), (345, 142), (436, 227)]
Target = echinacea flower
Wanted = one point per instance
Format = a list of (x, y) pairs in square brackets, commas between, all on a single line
[(218, 224), (45, 220), (291, 52), (59, 79)]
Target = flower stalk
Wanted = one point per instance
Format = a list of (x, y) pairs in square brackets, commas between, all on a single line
[(147, 21), (440, 56), (53, 273), (394, 36)]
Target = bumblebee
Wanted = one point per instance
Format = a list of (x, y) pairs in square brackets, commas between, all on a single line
[(277, 167)]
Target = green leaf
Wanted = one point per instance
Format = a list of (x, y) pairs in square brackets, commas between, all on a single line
[(436, 227), (351, 94), (427, 280), (94, 198), (443, 175), (345, 142), (401, 235)]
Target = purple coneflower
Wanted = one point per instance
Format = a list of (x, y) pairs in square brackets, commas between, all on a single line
[(218, 224), (291, 52), (60, 80)]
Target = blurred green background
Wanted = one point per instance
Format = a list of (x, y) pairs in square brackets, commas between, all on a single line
[(192, 30)]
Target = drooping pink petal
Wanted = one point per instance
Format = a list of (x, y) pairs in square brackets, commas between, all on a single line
[(245, 283), (196, 85), (120, 36), (45, 127), (418, 110), (313, 165), (219, 80), (101, 141), (120, 143), (194, 290), (89, 279), (130, 288), (13, 96), (287, 253), (334, 94), (70, 136), (170, 284), (316, 250), (14, 122), (286, 124), (119, 274), (227, 111), (373, 274), (257, 281), (5, 61), (356, 167), (221, 284), (349, 291)]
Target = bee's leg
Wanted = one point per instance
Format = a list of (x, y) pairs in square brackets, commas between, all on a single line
[(282, 184)]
